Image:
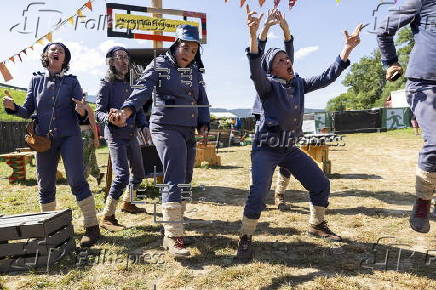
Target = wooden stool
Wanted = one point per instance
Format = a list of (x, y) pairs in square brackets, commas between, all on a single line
[(319, 153)]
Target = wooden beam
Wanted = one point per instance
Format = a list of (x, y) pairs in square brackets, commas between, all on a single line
[(157, 4)]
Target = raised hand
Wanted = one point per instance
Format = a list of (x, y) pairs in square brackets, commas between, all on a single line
[(351, 41), (117, 117), (80, 107), (284, 25), (253, 21), (8, 101), (271, 18)]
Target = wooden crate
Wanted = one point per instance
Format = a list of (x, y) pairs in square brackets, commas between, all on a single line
[(30, 241), (319, 153), (207, 153)]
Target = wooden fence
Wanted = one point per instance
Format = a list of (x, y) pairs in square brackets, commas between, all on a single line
[(12, 136)]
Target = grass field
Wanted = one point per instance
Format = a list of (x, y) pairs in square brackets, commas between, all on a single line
[(372, 190)]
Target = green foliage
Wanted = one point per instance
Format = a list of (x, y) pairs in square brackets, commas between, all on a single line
[(19, 97), (366, 81)]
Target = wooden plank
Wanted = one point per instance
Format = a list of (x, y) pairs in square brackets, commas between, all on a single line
[(33, 225), (37, 261), (41, 246)]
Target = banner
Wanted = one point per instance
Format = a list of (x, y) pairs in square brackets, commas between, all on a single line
[(147, 23)]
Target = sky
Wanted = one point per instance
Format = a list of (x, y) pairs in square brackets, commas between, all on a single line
[(317, 26)]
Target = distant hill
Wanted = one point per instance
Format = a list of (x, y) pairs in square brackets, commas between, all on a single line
[(244, 113)]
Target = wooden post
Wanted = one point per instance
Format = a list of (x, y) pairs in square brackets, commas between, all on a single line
[(158, 5)]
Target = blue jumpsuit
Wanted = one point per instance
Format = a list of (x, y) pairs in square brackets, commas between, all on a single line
[(123, 146), (172, 128), (421, 70), (257, 106), (46, 95), (279, 125)]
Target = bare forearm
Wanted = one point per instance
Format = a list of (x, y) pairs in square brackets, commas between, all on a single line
[(254, 49), (264, 33), (287, 34), (345, 53)]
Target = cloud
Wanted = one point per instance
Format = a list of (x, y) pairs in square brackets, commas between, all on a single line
[(305, 51)]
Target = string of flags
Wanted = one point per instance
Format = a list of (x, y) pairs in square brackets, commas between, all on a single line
[(276, 3), (49, 37)]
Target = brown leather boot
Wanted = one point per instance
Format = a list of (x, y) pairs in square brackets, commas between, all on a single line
[(111, 224), (132, 208), (323, 231), (92, 234)]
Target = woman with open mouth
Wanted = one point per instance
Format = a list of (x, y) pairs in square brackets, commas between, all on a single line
[(56, 99)]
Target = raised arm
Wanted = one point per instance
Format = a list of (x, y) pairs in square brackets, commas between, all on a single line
[(257, 74), (341, 63)]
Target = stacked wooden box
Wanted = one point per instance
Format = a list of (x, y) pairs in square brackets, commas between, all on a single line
[(207, 153), (29, 241)]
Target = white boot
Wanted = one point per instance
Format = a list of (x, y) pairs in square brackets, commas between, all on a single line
[(174, 231)]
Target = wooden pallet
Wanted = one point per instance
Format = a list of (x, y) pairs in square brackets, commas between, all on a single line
[(30, 241)]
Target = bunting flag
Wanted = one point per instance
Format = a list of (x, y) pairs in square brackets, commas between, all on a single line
[(49, 36), (242, 2), (261, 2), (276, 3), (5, 72), (89, 5), (80, 13), (292, 3)]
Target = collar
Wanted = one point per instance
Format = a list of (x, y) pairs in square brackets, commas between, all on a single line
[(59, 74)]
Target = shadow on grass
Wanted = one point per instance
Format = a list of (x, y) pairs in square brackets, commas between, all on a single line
[(354, 176)]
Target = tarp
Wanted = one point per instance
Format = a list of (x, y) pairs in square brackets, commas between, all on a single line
[(357, 121)]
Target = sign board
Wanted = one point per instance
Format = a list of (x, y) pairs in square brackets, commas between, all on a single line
[(122, 23)]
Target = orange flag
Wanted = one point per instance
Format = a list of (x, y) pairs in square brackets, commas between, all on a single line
[(5, 72), (12, 58), (49, 36), (261, 2), (89, 5)]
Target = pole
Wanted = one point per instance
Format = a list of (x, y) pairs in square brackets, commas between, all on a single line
[(158, 5)]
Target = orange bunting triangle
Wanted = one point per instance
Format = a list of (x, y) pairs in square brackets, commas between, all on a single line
[(261, 2), (49, 36), (12, 59), (89, 5), (5, 72)]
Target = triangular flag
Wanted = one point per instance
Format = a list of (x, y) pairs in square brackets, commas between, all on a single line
[(242, 2), (71, 20), (12, 58), (261, 2), (40, 41), (24, 51), (80, 13), (49, 36), (5, 72), (31, 47), (89, 5), (19, 56)]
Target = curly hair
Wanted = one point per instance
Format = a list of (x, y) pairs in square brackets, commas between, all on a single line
[(45, 62), (111, 74)]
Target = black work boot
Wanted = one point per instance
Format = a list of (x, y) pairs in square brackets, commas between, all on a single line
[(245, 250), (419, 219)]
